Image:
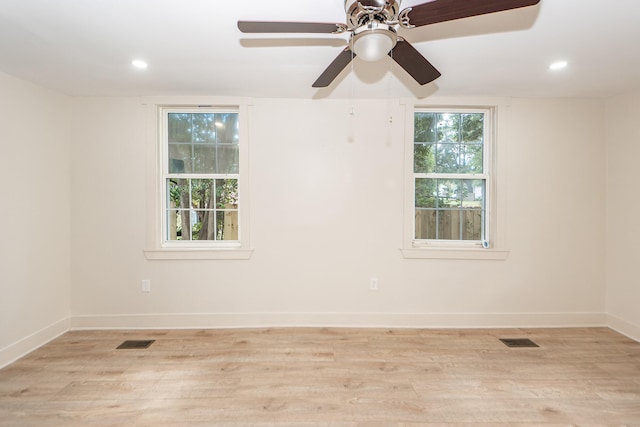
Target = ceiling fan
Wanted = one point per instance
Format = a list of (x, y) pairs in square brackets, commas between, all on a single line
[(373, 25)]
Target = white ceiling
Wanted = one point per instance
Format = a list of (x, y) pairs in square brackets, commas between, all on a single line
[(85, 48)]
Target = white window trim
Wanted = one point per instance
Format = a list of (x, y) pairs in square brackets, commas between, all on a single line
[(156, 248), (495, 224)]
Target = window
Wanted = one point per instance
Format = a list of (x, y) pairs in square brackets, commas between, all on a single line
[(449, 176), (451, 180), (200, 208), (201, 175)]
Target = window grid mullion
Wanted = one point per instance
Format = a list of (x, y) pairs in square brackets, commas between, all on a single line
[(215, 148), (193, 147), (200, 176), (214, 190), (190, 205), (451, 176)]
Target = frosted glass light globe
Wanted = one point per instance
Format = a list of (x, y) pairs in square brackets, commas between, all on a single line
[(373, 41)]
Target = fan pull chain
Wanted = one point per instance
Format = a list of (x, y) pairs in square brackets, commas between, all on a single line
[(389, 104), (352, 112), (352, 83), (390, 88)]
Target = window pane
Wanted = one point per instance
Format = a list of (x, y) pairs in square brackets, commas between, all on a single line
[(425, 127), (180, 158), (471, 159), (227, 130), (227, 225), (449, 193), (202, 191), (473, 220), (228, 159), (449, 225), (178, 224), (472, 192), (204, 130), (448, 128), (227, 194), (178, 193), (179, 127), (203, 225), (174, 225), (425, 193), (473, 128), (204, 158), (425, 224), (424, 159), (447, 158)]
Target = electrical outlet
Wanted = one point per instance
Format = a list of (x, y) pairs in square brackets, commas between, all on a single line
[(146, 286), (373, 284)]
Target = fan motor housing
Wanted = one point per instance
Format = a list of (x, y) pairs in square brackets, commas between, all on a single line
[(360, 12)]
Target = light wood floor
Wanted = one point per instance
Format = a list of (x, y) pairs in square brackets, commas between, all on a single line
[(316, 377)]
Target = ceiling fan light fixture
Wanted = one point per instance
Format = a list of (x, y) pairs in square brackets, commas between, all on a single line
[(373, 41)]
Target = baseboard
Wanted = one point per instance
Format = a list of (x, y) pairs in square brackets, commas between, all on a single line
[(26, 345), (398, 320), (625, 328)]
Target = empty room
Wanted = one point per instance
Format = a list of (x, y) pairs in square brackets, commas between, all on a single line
[(319, 213)]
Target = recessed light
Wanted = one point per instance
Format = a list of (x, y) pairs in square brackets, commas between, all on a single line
[(559, 65), (139, 64)]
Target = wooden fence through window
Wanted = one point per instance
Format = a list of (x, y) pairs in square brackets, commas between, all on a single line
[(449, 224)]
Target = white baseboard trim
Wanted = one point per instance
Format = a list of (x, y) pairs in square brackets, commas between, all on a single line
[(366, 320), (26, 345), (625, 328)]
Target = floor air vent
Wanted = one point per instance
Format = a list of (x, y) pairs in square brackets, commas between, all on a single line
[(135, 344), (518, 342)]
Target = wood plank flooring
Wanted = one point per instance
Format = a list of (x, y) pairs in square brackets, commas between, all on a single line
[(327, 377)]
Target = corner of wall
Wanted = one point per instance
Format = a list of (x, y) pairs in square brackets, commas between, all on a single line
[(26, 345), (625, 328)]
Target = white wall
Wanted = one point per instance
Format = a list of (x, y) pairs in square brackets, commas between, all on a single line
[(623, 213), (326, 208), (34, 216)]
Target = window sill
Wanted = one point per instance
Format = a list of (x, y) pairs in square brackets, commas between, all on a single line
[(455, 253), (197, 254)]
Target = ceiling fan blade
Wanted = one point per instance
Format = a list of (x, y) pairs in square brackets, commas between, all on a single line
[(413, 62), (447, 10), (332, 71), (290, 27)]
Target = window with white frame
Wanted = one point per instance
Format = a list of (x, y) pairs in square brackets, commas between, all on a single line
[(451, 177), (200, 177), (197, 186)]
